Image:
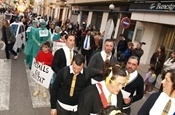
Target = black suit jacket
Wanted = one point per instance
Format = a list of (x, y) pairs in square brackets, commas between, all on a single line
[(90, 101), (59, 60), (92, 42)]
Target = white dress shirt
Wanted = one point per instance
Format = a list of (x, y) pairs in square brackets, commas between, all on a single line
[(67, 54)]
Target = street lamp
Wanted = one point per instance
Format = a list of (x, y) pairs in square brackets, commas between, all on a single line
[(111, 7), (109, 26)]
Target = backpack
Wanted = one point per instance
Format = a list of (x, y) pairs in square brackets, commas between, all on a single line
[(124, 55), (152, 78)]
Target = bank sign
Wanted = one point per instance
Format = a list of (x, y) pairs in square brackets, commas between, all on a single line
[(156, 6)]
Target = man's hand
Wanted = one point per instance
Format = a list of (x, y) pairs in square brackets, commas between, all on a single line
[(53, 112), (127, 100)]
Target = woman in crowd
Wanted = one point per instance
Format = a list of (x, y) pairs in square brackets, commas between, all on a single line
[(161, 103), (98, 96), (158, 59), (168, 65), (9, 39)]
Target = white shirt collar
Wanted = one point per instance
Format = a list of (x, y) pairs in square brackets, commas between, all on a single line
[(103, 55), (133, 75), (107, 93), (67, 48), (71, 70)]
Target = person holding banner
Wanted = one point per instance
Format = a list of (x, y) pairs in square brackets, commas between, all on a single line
[(45, 57), (104, 93), (68, 85), (59, 43)]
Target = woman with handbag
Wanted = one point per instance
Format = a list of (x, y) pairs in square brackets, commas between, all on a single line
[(9, 39)]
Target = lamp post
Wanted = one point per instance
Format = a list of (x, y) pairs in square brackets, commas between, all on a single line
[(111, 7), (109, 26)]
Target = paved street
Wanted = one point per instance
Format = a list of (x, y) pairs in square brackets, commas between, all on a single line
[(17, 88)]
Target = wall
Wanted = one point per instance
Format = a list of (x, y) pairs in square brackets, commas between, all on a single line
[(162, 18), (150, 36)]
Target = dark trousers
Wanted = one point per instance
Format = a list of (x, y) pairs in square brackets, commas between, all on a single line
[(8, 49), (61, 111), (87, 54), (127, 111)]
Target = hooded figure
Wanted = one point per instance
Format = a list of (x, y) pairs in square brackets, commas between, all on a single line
[(28, 50), (57, 33), (41, 35)]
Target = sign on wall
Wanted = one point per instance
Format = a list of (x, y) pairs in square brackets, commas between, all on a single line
[(154, 6), (125, 22), (42, 74)]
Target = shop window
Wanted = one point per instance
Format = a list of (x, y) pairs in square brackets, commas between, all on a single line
[(96, 19), (139, 33)]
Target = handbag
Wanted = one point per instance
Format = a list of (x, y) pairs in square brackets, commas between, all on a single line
[(2, 45)]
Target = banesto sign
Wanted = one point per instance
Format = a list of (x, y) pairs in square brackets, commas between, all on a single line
[(154, 6), (162, 6)]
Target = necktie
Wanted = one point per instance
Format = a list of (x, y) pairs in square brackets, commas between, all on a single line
[(107, 56), (73, 85), (166, 108), (109, 99), (70, 57), (86, 42)]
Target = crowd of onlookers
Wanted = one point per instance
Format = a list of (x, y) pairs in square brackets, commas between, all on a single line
[(92, 74)]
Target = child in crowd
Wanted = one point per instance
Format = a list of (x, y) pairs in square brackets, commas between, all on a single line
[(111, 110), (150, 78), (45, 57)]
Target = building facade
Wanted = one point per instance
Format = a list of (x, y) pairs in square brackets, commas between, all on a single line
[(155, 25), (152, 22)]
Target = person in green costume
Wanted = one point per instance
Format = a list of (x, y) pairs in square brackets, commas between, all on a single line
[(29, 44), (41, 35), (57, 33)]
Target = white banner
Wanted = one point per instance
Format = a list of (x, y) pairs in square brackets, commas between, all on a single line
[(57, 45), (42, 74)]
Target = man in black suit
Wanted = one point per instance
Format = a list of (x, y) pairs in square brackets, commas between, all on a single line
[(87, 45), (62, 57), (67, 87)]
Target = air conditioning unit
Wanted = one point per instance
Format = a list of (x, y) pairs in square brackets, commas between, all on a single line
[(75, 12)]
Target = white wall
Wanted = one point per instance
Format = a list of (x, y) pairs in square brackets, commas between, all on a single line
[(162, 18), (150, 36), (89, 19), (104, 21)]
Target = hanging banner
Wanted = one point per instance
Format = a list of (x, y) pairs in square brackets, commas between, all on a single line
[(42, 74), (57, 45), (108, 30)]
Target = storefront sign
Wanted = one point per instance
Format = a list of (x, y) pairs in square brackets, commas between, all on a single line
[(125, 22), (155, 6)]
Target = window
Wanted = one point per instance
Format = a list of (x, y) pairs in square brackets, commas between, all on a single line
[(139, 33)]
